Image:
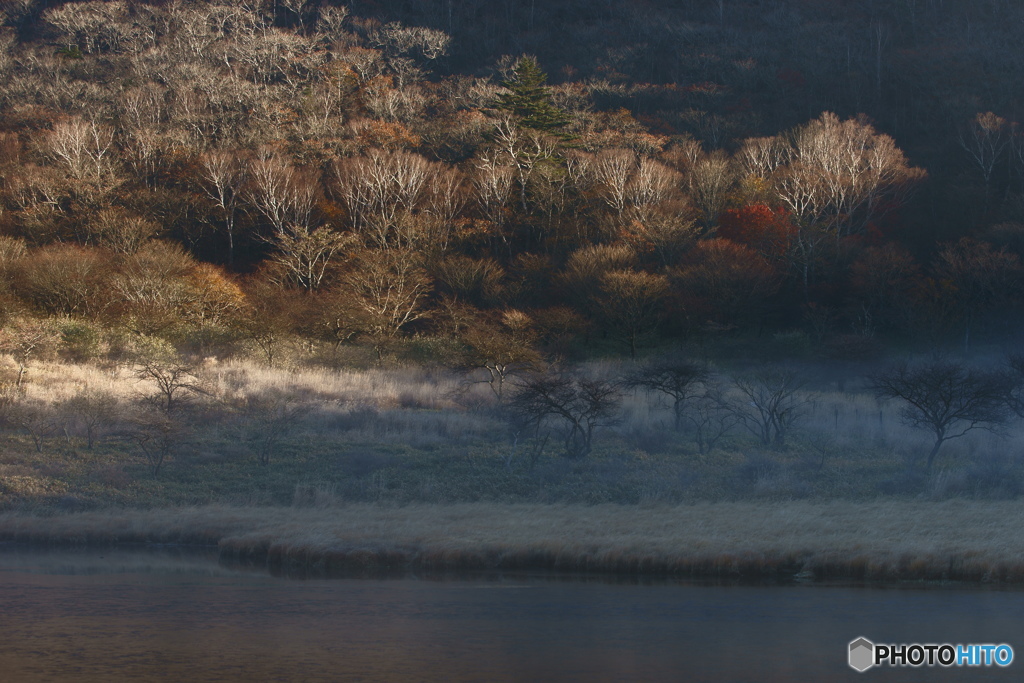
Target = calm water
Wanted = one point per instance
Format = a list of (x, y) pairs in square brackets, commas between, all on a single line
[(172, 617)]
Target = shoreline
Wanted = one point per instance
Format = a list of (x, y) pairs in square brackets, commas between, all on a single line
[(971, 542)]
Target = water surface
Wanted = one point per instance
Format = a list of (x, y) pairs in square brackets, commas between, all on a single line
[(174, 616)]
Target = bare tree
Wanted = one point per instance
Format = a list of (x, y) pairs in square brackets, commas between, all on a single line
[(834, 177), (843, 174), (644, 195), (587, 265), (480, 282), (387, 292), (272, 56), (493, 179), (269, 417), (380, 191), (299, 8), (578, 405), (26, 340), (761, 157), (269, 317), (651, 185), (102, 26), (93, 410), (522, 149), (770, 402), (122, 232), (945, 397), (307, 255), (37, 418), (612, 169), (330, 20), (710, 178), (710, 416), (281, 192), (986, 139), (680, 379), (445, 197), (982, 278), (63, 279), (159, 435), (388, 103), (146, 151), (395, 39), (151, 287), (85, 148), (223, 178), (733, 280), (1015, 392)]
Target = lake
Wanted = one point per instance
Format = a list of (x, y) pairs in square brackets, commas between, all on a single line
[(175, 615)]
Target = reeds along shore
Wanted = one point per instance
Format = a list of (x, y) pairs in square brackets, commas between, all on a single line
[(877, 541)]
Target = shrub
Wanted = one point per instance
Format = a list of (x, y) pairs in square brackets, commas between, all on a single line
[(79, 340)]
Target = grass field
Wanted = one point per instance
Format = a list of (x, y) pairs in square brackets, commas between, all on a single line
[(876, 541), (418, 435)]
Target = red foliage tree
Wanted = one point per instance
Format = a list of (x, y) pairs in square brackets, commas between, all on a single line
[(766, 230)]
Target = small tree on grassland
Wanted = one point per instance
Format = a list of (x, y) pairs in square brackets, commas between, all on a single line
[(578, 405), (158, 435), (268, 418), (92, 410), (710, 417), (25, 340), (769, 403), (947, 398), (36, 417), (174, 379), (680, 379)]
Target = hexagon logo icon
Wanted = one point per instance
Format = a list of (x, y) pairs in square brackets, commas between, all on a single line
[(862, 654)]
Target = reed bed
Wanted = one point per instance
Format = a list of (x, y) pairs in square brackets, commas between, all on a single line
[(957, 540)]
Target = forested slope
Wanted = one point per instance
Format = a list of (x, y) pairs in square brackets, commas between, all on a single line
[(507, 179)]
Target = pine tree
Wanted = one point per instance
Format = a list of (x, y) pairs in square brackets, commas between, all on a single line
[(529, 99)]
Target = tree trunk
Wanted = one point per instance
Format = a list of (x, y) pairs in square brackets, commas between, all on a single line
[(935, 451)]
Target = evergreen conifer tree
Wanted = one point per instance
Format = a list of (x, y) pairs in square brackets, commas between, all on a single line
[(529, 99)]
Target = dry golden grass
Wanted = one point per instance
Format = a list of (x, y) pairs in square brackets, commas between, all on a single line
[(952, 540), (378, 387)]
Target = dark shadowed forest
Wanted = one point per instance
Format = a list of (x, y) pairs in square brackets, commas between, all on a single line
[(299, 251)]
